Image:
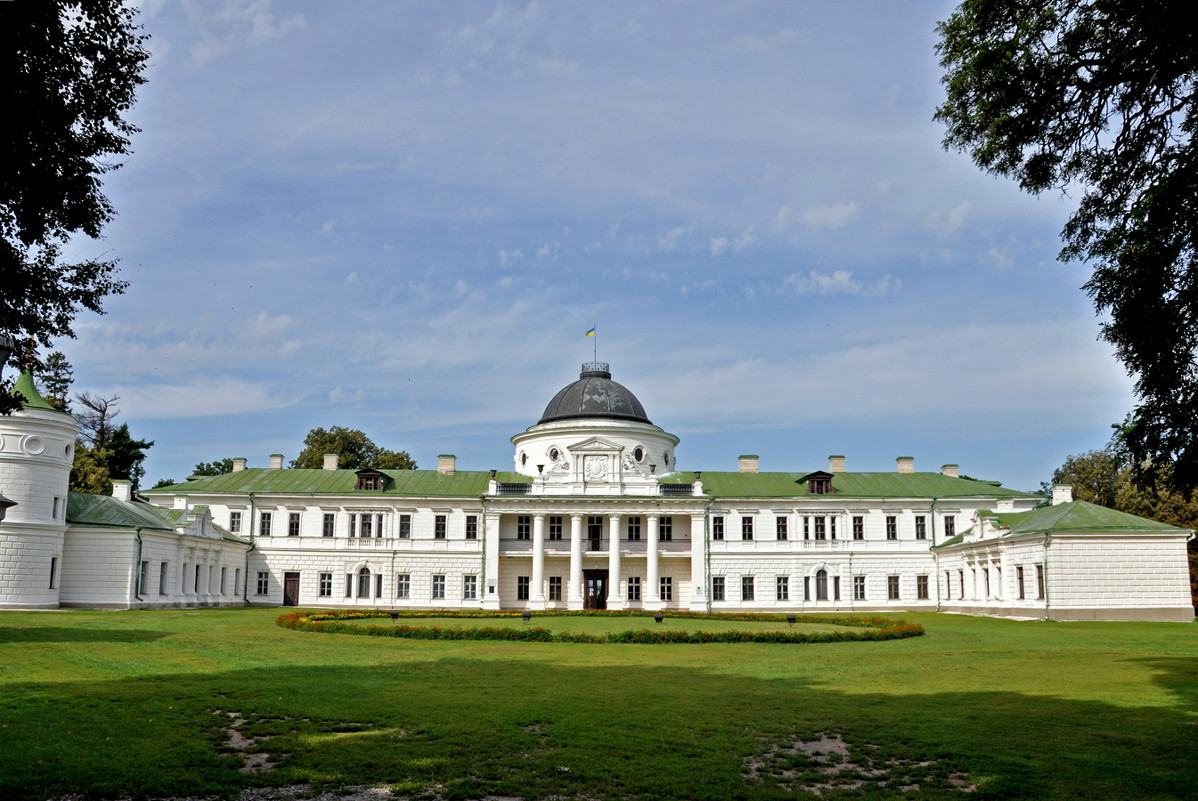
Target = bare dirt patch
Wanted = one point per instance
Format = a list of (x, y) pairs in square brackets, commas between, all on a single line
[(826, 763)]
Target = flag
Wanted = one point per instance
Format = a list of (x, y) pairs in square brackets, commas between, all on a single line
[(590, 333)]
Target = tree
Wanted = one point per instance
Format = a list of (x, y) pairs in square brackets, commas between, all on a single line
[(1100, 95), (1096, 476), (69, 70), (89, 472), (56, 381), (125, 456), (354, 450), (216, 468), (95, 419)]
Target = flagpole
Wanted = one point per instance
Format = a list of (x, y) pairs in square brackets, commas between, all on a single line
[(595, 351)]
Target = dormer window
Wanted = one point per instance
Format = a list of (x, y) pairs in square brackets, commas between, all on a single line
[(819, 483), (370, 480)]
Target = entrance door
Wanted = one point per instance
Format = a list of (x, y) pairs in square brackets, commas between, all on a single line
[(596, 589), (291, 589), (594, 533)]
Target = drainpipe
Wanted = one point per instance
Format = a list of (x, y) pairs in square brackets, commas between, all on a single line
[(1047, 540), (137, 567), (245, 588), (707, 551), (932, 548)]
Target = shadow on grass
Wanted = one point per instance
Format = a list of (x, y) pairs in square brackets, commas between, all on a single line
[(515, 729), (67, 634)]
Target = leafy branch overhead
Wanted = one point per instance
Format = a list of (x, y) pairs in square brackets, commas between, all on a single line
[(353, 448), (1100, 97)]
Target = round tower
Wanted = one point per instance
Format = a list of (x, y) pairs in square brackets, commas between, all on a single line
[(37, 448)]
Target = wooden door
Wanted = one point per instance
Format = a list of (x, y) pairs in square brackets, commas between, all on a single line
[(291, 589), (595, 596)]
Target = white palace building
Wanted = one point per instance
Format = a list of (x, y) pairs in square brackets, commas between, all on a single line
[(594, 514)]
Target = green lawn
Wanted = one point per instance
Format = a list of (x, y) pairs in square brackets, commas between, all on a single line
[(111, 703)]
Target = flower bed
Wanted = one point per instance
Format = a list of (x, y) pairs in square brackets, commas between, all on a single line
[(350, 622)]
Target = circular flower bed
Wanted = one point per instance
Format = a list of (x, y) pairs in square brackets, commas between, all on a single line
[(352, 622)]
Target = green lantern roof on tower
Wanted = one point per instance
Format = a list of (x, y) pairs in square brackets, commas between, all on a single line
[(33, 398)]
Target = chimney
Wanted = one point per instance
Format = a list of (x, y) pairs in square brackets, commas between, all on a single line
[(1061, 493), (906, 464), (330, 461), (276, 461), (446, 464), (951, 470), (238, 464), (835, 464), (747, 462), (122, 489)]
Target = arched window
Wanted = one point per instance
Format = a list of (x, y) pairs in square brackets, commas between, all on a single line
[(364, 583), (821, 585)]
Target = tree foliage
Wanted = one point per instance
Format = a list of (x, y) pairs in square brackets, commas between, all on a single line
[(89, 471), (56, 380), (96, 416), (215, 468), (125, 456), (69, 70), (1100, 95), (354, 451)]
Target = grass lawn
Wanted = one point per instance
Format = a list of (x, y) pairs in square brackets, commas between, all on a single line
[(138, 703)]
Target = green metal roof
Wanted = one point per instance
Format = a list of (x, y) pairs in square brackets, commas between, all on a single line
[(1077, 516), (86, 509), (265, 481), (33, 398), (844, 485)]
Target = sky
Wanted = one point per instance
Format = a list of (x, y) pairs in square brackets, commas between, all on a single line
[(403, 217)]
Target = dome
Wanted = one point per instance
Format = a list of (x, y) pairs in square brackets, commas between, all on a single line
[(594, 394)]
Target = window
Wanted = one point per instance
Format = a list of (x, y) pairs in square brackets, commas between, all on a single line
[(858, 527), (832, 528), (471, 527), (326, 585), (986, 576), (223, 575), (819, 485), (524, 527), (746, 588), (555, 527), (263, 582), (403, 585), (143, 575), (634, 588), (921, 587), (196, 586), (162, 575), (836, 588), (665, 529), (235, 522), (806, 588), (264, 524), (438, 587), (439, 527), (555, 588), (522, 584), (717, 527), (667, 588), (891, 527), (370, 482), (950, 526), (366, 530), (892, 587), (782, 588), (746, 528), (634, 528), (327, 527), (293, 521), (961, 574), (858, 588), (717, 588), (364, 583), (469, 588), (378, 585), (820, 534), (948, 586), (236, 578), (806, 528), (353, 525), (821, 585), (1019, 581), (921, 527)]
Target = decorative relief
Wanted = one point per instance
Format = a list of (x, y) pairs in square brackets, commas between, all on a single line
[(34, 445), (595, 467)]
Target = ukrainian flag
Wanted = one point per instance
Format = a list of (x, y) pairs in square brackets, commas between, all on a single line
[(590, 333)]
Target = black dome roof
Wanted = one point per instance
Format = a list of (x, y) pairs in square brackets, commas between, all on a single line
[(594, 394)]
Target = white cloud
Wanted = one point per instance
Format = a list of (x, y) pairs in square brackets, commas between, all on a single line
[(997, 258), (237, 21), (718, 245), (461, 287), (946, 223), (327, 228), (507, 258), (505, 281), (669, 240), (744, 240), (834, 215), (838, 282), (201, 396)]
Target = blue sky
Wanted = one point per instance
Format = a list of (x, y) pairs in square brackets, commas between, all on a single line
[(403, 217)]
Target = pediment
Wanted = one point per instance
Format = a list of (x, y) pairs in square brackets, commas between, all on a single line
[(595, 445)]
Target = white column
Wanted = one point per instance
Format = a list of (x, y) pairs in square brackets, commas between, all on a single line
[(698, 563), (536, 597), (491, 564), (615, 598), (574, 600), (652, 598)]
